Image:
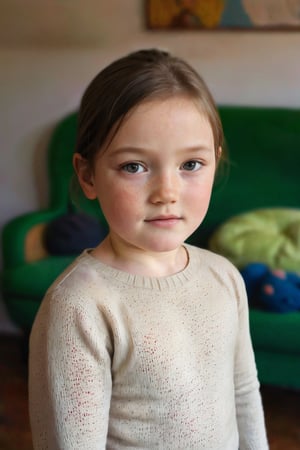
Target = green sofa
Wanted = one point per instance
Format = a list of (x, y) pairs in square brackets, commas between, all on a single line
[(263, 172)]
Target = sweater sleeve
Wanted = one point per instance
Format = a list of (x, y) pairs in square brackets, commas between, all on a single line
[(249, 410), (69, 376)]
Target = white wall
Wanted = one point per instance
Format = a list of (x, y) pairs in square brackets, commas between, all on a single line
[(50, 50)]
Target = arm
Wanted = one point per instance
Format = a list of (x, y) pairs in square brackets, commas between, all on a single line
[(69, 377), (250, 416), (24, 233)]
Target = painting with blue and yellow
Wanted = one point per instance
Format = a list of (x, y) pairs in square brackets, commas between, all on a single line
[(210, 14)]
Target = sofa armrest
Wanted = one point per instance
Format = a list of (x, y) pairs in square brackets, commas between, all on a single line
[(22, 237)]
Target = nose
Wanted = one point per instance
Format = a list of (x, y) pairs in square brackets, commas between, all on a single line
[(165, 188)]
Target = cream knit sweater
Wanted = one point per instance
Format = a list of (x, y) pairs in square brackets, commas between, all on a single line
[(119, 361)]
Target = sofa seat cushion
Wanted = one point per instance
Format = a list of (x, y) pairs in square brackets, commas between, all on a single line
[(32, 279), (270, 236), (278, 333)]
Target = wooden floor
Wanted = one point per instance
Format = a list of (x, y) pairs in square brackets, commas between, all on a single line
[(282, 407)]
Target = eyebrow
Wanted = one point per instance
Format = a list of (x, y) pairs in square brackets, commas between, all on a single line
[(140, 150)]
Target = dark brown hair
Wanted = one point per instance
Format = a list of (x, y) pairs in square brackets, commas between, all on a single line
[(140, 76)]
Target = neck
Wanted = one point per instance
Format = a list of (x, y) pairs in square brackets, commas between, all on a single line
[(141, 262)]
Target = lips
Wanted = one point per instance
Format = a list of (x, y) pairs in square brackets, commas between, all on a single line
[(164, 221), (162, 217)]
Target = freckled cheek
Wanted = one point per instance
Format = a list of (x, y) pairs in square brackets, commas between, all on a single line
[(120, 206), (198, 195), (198, 192)]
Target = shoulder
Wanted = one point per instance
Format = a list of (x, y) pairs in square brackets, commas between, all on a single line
[(82, 286), (83, 273), (210, 258), (217, 267), (76, 304)]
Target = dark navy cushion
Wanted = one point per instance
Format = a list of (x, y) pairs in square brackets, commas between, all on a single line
[(71, 233)]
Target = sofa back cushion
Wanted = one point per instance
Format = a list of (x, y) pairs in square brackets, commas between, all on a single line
[(264, 160)]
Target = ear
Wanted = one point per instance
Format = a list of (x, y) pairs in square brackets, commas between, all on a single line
[(85, 176), (219, 154)]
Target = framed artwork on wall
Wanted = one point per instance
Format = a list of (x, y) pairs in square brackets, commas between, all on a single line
[(223, 14)]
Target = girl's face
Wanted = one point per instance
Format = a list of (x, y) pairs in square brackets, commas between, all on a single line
[(154, 179)]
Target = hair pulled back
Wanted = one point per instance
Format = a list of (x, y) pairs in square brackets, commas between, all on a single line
[(142, 75)]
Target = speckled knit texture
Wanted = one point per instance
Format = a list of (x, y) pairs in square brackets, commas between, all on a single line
[(119, 361)]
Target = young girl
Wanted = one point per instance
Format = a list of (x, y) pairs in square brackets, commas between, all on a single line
[(143, 342)]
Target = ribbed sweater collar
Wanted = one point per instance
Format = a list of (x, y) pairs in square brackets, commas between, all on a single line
[(140, 281)]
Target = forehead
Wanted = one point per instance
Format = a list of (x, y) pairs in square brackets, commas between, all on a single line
[(170, 103), (164, 116), (175, 123)]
